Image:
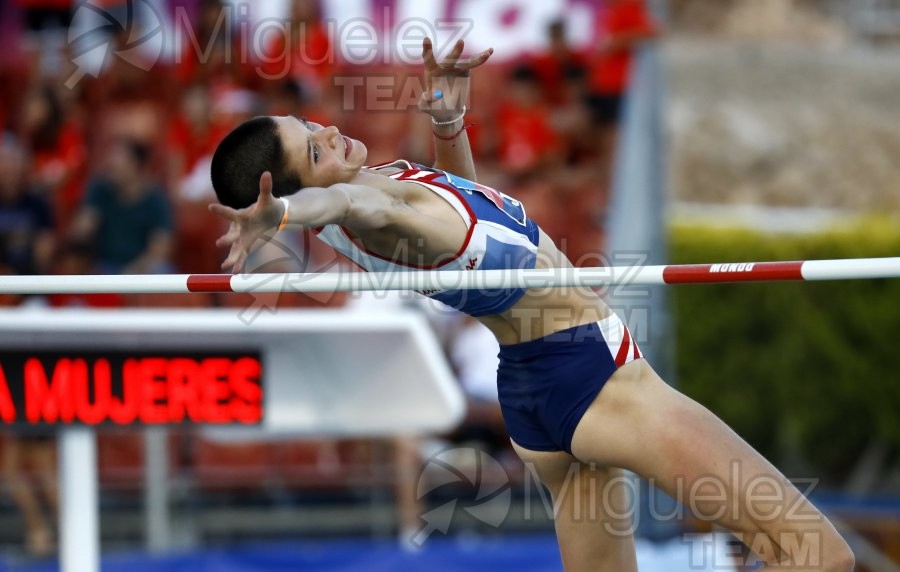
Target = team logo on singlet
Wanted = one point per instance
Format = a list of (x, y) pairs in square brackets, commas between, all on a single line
[(508, 205)]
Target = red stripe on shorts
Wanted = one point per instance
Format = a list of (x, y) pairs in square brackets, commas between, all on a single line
[(623, 349)]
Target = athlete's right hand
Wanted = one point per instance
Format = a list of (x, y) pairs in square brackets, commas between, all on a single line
[(249, 225), (450, 77)]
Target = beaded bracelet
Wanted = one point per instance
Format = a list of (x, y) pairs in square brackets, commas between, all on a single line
[(452, 121)]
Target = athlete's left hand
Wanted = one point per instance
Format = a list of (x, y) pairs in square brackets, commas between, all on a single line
[(447, 82)]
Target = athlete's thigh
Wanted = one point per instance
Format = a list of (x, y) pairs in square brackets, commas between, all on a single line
[(640, 423), (592, 511)]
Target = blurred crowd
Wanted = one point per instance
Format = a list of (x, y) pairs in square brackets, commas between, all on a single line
[(111, 175)]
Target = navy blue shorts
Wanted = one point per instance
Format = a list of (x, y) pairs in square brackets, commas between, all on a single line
[(546, 385)]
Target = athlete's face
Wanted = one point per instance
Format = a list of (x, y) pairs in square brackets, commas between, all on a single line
[(320, 155)]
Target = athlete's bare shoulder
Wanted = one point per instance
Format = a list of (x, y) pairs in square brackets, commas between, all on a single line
[(401, 219), (410, 193)]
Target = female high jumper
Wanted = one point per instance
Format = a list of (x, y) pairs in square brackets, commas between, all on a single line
[(579, 401)]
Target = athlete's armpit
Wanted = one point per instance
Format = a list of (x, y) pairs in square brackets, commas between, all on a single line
[(371, 208)]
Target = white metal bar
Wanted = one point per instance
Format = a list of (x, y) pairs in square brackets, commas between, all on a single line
[(78, 511), (848, 269), (156, 490), (856, 268), (94, 284)]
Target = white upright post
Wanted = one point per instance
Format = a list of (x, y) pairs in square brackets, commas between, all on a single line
[(156, 489), (79, 549)]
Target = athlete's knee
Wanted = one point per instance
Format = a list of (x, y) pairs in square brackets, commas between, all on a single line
[(822, 546), (823, 549)]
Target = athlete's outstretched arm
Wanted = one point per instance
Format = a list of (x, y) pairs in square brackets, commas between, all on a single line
[(354, 205), (450, 78)]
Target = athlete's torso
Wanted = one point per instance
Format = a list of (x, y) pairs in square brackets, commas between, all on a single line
[(497, 235)]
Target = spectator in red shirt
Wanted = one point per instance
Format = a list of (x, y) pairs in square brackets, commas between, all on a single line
[(527, 142), (204, 50), (554, 65), (194, 133), (621, 27), (216, 48), (305, 55)]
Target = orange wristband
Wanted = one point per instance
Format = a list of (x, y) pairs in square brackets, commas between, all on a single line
[(284, 217)]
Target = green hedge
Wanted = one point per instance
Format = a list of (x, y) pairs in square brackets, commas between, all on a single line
[(808, 369)]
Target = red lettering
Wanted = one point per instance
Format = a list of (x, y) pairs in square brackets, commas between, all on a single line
[(216, 389), (153, 389), (125, 412), (244, 379), (49, 401), (184, 377), (7, 407), (96, 412)]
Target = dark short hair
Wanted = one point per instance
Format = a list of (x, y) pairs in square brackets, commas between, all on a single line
[(250, 150)]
